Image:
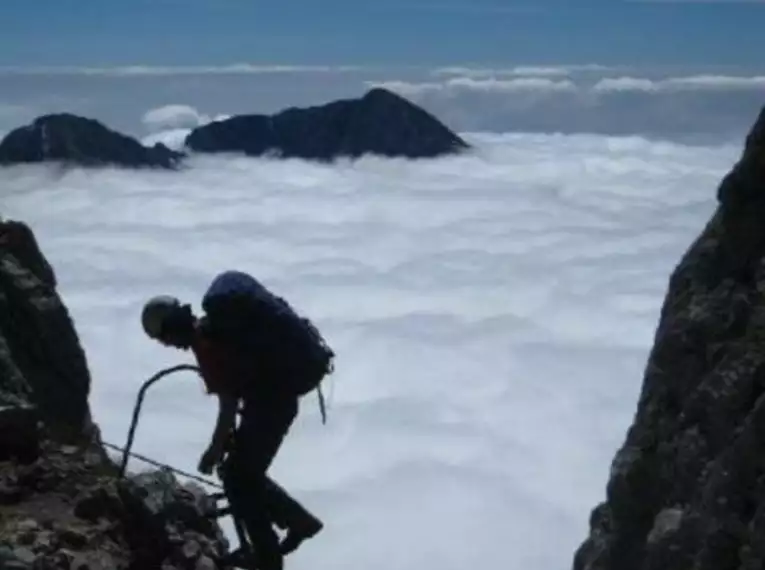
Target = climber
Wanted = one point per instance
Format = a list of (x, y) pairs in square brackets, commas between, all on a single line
[(242, 346)]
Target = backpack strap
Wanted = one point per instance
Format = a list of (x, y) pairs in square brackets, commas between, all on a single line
[(322, 405)]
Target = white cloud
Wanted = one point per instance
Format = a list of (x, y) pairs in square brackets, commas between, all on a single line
[(689, 83), (717, 82), (540, 71), (625, 84), (523, 70), (699, 107), (172, 123), (491, 84), (519, 84), (174, 117), (491, 313), (465, 79)]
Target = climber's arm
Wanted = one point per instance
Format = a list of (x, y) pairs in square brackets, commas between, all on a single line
[(227, 407)]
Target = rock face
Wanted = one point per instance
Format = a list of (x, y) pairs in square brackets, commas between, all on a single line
[(68, 509), (41, 359), (76, 140), (380, 123), (687, 487), (62, 502)]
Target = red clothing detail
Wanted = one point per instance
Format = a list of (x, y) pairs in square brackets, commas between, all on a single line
[(213, 364)]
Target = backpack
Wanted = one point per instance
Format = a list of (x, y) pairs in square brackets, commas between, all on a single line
[(265, 330)]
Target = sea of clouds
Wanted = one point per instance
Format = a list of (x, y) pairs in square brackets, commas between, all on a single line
[(492, 314)]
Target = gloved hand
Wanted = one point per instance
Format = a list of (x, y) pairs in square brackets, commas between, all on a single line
[(210, 458)]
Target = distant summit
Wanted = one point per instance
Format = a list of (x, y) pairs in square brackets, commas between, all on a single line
[(380, 123), (80, 141)]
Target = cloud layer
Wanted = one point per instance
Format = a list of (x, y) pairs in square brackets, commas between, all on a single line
[(699, 105), (492, 315), (544, 80)]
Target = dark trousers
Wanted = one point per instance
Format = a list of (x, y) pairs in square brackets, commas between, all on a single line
[(254, 498)]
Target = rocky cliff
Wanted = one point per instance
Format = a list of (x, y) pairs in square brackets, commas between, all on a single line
[(687, 487), (62, 503), (380, 123), (74, 140)]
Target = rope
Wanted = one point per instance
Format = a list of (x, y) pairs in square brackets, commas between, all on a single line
[(163, 465)]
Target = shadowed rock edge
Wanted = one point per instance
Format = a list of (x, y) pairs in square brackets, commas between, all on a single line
[(687, 486)]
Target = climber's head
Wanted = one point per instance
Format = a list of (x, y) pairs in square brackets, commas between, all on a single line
[(166, 320)]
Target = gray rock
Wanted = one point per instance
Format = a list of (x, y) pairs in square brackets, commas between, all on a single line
[(73, 538), (6, 554), (666, 523), (27, 532), (41, 359), (79, 562), (205, 563), (15, 565), (98, 503), (191, 550), (59, 560), (24, 555), (687, 486), (27, 525), (44, 541), (157, 488), (176, 504)]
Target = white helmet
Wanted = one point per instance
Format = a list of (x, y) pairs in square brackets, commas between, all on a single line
[(155, 312)]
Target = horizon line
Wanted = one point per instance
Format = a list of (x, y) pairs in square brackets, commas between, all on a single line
[(245, 68)]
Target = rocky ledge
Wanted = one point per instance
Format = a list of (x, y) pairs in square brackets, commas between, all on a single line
[(69, 509), (687, 487), (74, 140), (63, 503), (379, 123)]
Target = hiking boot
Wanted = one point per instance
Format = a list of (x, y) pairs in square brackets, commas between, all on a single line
[(296, 536)]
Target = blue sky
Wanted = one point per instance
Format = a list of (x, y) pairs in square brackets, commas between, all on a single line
[(421, 32)]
